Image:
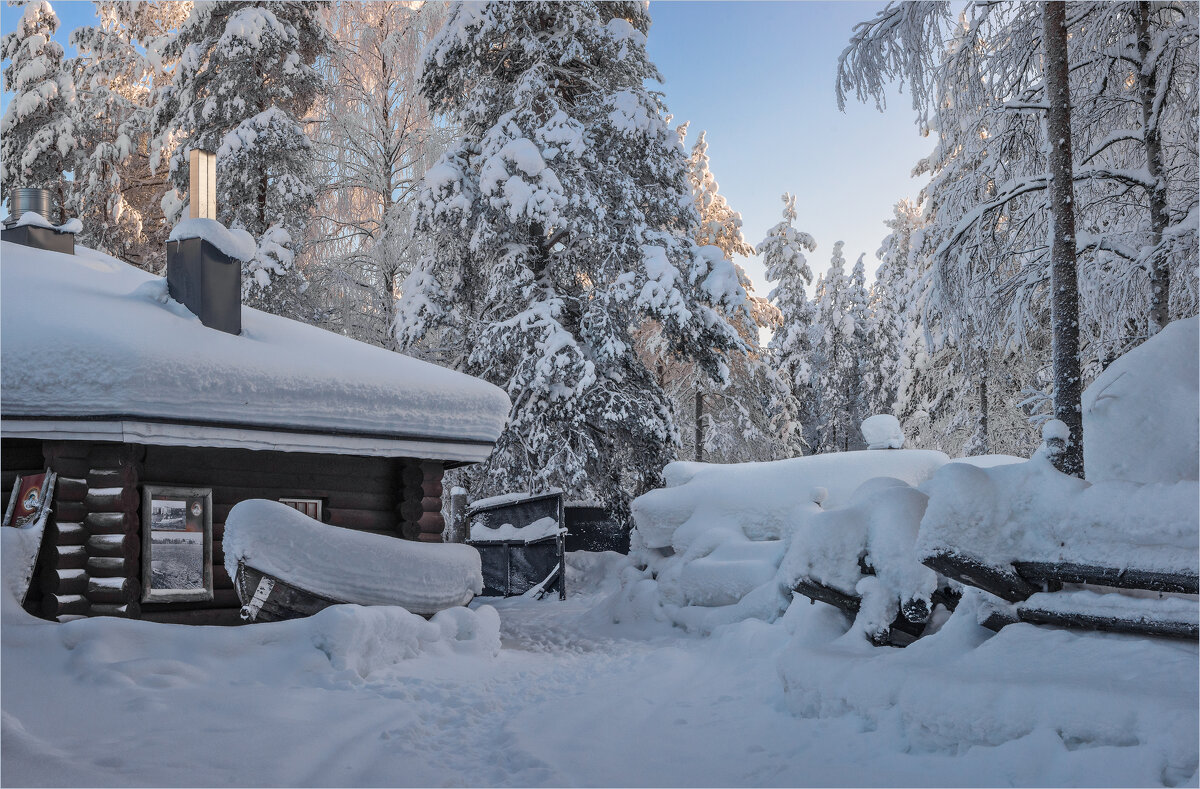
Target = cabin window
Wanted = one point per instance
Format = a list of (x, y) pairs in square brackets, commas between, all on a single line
[(313, 508), (176, 544)]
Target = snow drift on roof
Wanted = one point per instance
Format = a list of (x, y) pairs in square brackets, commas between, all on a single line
[(89, 336)]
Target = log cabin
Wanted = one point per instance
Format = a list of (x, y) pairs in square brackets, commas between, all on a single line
[(162, 402)]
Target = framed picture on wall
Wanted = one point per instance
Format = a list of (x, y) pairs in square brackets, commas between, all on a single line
[(176, 544)]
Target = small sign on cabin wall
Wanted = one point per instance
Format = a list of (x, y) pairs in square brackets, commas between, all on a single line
[(176, 544)]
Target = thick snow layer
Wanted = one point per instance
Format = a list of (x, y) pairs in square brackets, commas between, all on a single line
[(714, 539), (18, 551), (33, 219), (237, 244), (540, 529), (90, 336), (882, 431), (989, 461), (1141, 416), (508, 498), (1117, 604), (880, 525), (347, 565), (1031, 512), (376, 697)]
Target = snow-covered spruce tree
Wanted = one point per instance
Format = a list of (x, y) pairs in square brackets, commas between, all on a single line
[(558, 223), (37, 136), (374, 141), (750, 418), (791, 347), (116, 73), (835, 351), (883, 348), (246, 79)]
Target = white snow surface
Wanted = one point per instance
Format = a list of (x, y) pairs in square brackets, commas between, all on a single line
[(882, 431), (1031, 512), (33, 219), (552, 693), (237, 244), (1141, 416), (346, 565), (86, 335), (18, 550), (540, 529), (713, 540)]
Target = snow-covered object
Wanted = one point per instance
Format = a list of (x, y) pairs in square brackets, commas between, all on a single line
[(33, 219), (879, 527), (540, 529), (989, 461), (1031, 512), (728, 528), (18, 553), (882, 431), (88, 336), (237, 244), (347, 565), (509, 498), (1141, 416)]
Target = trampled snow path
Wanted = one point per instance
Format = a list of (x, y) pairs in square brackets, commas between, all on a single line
[(569, 700)]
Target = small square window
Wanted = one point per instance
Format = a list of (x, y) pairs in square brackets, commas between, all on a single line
[(313, 508)]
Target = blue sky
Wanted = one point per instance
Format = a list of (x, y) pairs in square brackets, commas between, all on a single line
[(758, 76)]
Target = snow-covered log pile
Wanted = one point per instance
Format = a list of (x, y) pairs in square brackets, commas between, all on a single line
[(346, 565), (713, 540)]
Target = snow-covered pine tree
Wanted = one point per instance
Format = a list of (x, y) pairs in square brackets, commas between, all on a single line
[(116, 73), (791, 346), (247, 77), (37, 136), (750, 418), (883, 349), (836, 369), (375, 140), (859, 310), (558, 223)]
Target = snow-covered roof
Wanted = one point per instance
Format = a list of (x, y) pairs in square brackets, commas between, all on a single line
[(93, 349)]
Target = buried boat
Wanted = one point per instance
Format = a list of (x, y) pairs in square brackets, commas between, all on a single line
[(287, 565)]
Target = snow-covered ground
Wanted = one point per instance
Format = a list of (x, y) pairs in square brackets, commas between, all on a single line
[(554, 694)]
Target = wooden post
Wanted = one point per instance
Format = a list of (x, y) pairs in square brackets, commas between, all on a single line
[(458, 516)]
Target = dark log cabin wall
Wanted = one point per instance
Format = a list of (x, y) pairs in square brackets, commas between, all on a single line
[(91, 560)]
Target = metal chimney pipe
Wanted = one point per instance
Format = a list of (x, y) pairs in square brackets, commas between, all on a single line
[(36, 200)]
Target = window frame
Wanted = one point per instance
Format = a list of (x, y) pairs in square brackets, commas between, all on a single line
[(151, 595)]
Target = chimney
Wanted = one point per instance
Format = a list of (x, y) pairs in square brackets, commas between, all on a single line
[(204, 259), (27, 223)]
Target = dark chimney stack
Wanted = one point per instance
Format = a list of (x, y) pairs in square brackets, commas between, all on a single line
[(41, 235), (201, 275)]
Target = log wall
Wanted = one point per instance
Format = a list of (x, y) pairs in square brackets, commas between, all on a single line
[(91, 560)]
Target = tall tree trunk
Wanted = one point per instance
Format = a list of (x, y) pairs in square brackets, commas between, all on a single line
[(1064, 286), (1160, 273), (699, 426)]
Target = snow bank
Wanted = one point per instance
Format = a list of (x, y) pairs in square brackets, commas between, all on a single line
[(347, 565), (18, 550), (1141, 416), (89, 336), (237, 244), (1042, 693), (712, 541), (1031, 512)]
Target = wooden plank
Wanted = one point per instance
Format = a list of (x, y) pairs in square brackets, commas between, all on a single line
[(70, 489), (130, 610), (112, 567), (62, 605), (128, 545), (222, 598), (362, 519), (1079, 621), (69, 557), (71, 511), (335, 495), (109, 522), (63, 582), (119, 591), (66, 533), (207, 460), (1044, 573), (124, 499), (813, 590), (1002, 582)]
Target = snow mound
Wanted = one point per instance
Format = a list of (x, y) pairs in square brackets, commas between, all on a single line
[(86, 335), (346, 565), (712, 542), (18, 549), (540, 529), (878, 528), (1031, 512), (1141, 416), (882, 431), (1041, 691), (237, 244)]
